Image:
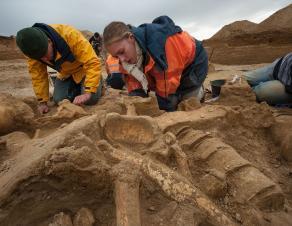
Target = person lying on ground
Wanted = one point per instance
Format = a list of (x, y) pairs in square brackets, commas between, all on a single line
[(64, 49), (273, 83), (160, 57)]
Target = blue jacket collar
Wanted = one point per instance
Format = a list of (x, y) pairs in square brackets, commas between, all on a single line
[(152, 38)]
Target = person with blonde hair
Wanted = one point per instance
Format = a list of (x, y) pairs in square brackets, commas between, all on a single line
[(159, 57)]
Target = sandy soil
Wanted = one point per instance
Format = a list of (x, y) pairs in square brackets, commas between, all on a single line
[(125, 162)]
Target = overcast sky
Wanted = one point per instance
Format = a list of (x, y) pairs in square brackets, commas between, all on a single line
[(201, 18)]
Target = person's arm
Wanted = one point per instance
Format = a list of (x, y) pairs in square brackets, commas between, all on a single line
[(288, 89), (180, 52), (84, 53), (39, 78), (40, 83)]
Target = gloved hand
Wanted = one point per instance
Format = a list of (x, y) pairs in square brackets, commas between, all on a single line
[(168, 104)]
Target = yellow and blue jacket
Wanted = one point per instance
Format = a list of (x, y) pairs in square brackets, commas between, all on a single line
[(74, 56)]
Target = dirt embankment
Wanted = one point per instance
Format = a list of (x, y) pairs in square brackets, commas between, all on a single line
[(244, 42), (8, 49)]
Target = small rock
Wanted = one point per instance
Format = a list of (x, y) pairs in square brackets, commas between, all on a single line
[(6, 119), (61, 219), (277, 166), (63, 125), (47, 163), (226, 200), (238, 217), (151, 208), (83, 217), (2, 144), (267, 218)]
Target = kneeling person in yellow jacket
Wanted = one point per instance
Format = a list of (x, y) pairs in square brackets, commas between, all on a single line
[(64, 49)]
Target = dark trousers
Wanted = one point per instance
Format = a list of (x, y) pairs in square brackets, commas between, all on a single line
[(115, 80), (68, 89)]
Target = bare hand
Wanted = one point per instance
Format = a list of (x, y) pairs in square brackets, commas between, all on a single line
[(43, 108), (81, 99)]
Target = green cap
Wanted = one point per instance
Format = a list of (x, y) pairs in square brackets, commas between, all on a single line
[(33, 42)]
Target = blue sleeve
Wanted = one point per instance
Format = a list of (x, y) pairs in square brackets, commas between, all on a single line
[(168, 104)]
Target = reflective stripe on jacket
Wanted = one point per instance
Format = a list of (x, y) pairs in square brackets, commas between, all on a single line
[(112, 65)]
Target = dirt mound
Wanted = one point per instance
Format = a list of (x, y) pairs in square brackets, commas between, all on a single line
[(125, 162), (280, 20), (234, 29), (252, 43), (14, 114), (8, 49), (87, 34)]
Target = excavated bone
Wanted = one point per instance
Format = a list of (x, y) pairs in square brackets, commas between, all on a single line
[(174, 120), (175, 186), (127, 184), (246, 181), (213, 185), (147, 106), (37, 149), (130, 130), (68, 110), (182, 161)]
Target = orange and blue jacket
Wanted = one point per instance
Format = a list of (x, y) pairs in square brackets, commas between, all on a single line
[(73, 56), (115, 78), (172, 59), (112, 65)]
